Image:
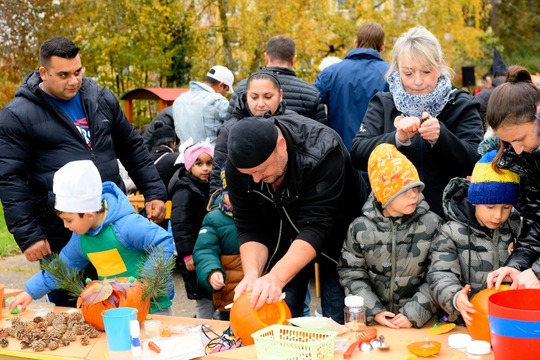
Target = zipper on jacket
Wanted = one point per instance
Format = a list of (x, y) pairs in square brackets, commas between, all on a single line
[(393, 271)]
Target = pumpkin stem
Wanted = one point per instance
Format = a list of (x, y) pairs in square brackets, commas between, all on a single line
[(66, 278)]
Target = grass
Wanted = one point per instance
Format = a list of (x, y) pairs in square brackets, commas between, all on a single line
[(8, 246)]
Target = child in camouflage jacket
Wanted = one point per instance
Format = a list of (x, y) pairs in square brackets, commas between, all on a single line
[(481, 229), (386, 254)]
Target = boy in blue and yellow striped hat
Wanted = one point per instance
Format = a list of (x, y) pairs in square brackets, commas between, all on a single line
[(480, 232)]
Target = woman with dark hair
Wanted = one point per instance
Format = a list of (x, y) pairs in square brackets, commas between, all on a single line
[(514, 114), (263, 96)]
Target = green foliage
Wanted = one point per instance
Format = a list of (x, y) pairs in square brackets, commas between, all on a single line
[(128, 44), (8, 246), (156, 275), (68, 279)]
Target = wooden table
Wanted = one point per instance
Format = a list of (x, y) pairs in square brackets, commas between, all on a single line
[(98, 348), (397, 340)]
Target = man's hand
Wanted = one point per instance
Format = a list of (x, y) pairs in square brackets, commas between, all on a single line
[(155, 210), (244, 286), (37, 250), (266, 290)]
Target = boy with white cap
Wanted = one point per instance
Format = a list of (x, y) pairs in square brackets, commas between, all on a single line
[(386, 254), (106, 232), (200, 112)]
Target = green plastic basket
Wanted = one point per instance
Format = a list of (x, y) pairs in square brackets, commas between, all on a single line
[(281, 342)]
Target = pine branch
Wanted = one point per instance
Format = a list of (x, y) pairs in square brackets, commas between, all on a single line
[(66, 278), (156, 275)]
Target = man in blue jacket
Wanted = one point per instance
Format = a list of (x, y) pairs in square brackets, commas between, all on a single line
[(58, 116), (346, 87)]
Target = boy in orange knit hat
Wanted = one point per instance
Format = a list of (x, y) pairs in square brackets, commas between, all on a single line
[(386, 254)]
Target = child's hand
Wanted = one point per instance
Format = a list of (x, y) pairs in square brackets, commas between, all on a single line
[(216, 280), (464, 306), (190, 265), (23, 299), (382, 318), (401, 321)]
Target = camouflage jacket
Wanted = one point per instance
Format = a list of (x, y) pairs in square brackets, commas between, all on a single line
[(385, 260), (465, 252)]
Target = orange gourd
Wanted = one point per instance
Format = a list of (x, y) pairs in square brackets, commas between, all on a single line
[(98, 296), (479, 328), (245, 320)]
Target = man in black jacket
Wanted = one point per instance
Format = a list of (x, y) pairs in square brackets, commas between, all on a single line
[(298, 95), (294, 193), (58, 116)]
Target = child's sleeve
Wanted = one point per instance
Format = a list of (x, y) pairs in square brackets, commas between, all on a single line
[(353, 273), (444, 275), (206, 253), (182, 223), (43, 282), (139, 233)]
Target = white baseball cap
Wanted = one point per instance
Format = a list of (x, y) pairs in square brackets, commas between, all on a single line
[(77, 187), (222, 74)]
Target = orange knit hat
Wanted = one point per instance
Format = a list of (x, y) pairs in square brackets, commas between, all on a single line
[(391, 173)]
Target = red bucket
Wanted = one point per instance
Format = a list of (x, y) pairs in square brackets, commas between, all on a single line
[(514, 322)]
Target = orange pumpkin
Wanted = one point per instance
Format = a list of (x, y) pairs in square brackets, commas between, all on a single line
[(479, 328), (245, 320), (98, 296)]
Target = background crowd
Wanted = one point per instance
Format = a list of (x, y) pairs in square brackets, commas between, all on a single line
[(384, 174)]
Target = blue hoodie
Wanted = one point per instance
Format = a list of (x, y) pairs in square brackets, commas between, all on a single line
[(133, 232)]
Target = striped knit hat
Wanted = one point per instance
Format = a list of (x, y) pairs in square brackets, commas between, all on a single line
[(391, 174), (490, 187)]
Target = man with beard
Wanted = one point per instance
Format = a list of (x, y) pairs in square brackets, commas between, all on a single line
[(294, 192)]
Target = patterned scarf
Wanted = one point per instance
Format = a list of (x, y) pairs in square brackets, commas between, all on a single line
[(415, 105)]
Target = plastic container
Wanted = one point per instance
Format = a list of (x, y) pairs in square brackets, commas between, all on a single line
[(355, 313), (135, 332), (479, 350), (278, 342), (514, 323), (457, 345), (117, 327)]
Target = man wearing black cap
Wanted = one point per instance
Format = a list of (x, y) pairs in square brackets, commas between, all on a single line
[(294, 193)]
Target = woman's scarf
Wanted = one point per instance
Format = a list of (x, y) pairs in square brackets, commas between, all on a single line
[(415, 105)]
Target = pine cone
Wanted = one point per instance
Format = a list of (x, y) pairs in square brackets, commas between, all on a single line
[(85, 340), (4, 342), (53, 345)]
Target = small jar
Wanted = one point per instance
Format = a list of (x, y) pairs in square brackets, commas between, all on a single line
[(457, 345), (355, 313), (479, 350)]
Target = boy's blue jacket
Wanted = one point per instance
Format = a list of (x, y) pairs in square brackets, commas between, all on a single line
[(133, 231)]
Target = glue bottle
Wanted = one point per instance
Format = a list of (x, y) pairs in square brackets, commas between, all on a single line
[(135, 332)]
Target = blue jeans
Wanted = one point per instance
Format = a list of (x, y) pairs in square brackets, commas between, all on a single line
[(332, 295)]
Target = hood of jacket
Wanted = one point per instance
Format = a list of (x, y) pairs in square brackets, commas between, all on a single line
[(118, 206)]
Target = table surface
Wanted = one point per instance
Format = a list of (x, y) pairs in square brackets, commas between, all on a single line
[(397, 340)]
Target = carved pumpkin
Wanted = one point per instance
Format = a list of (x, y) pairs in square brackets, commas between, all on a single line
[(479, 329), (245, 320), (98, 296)]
